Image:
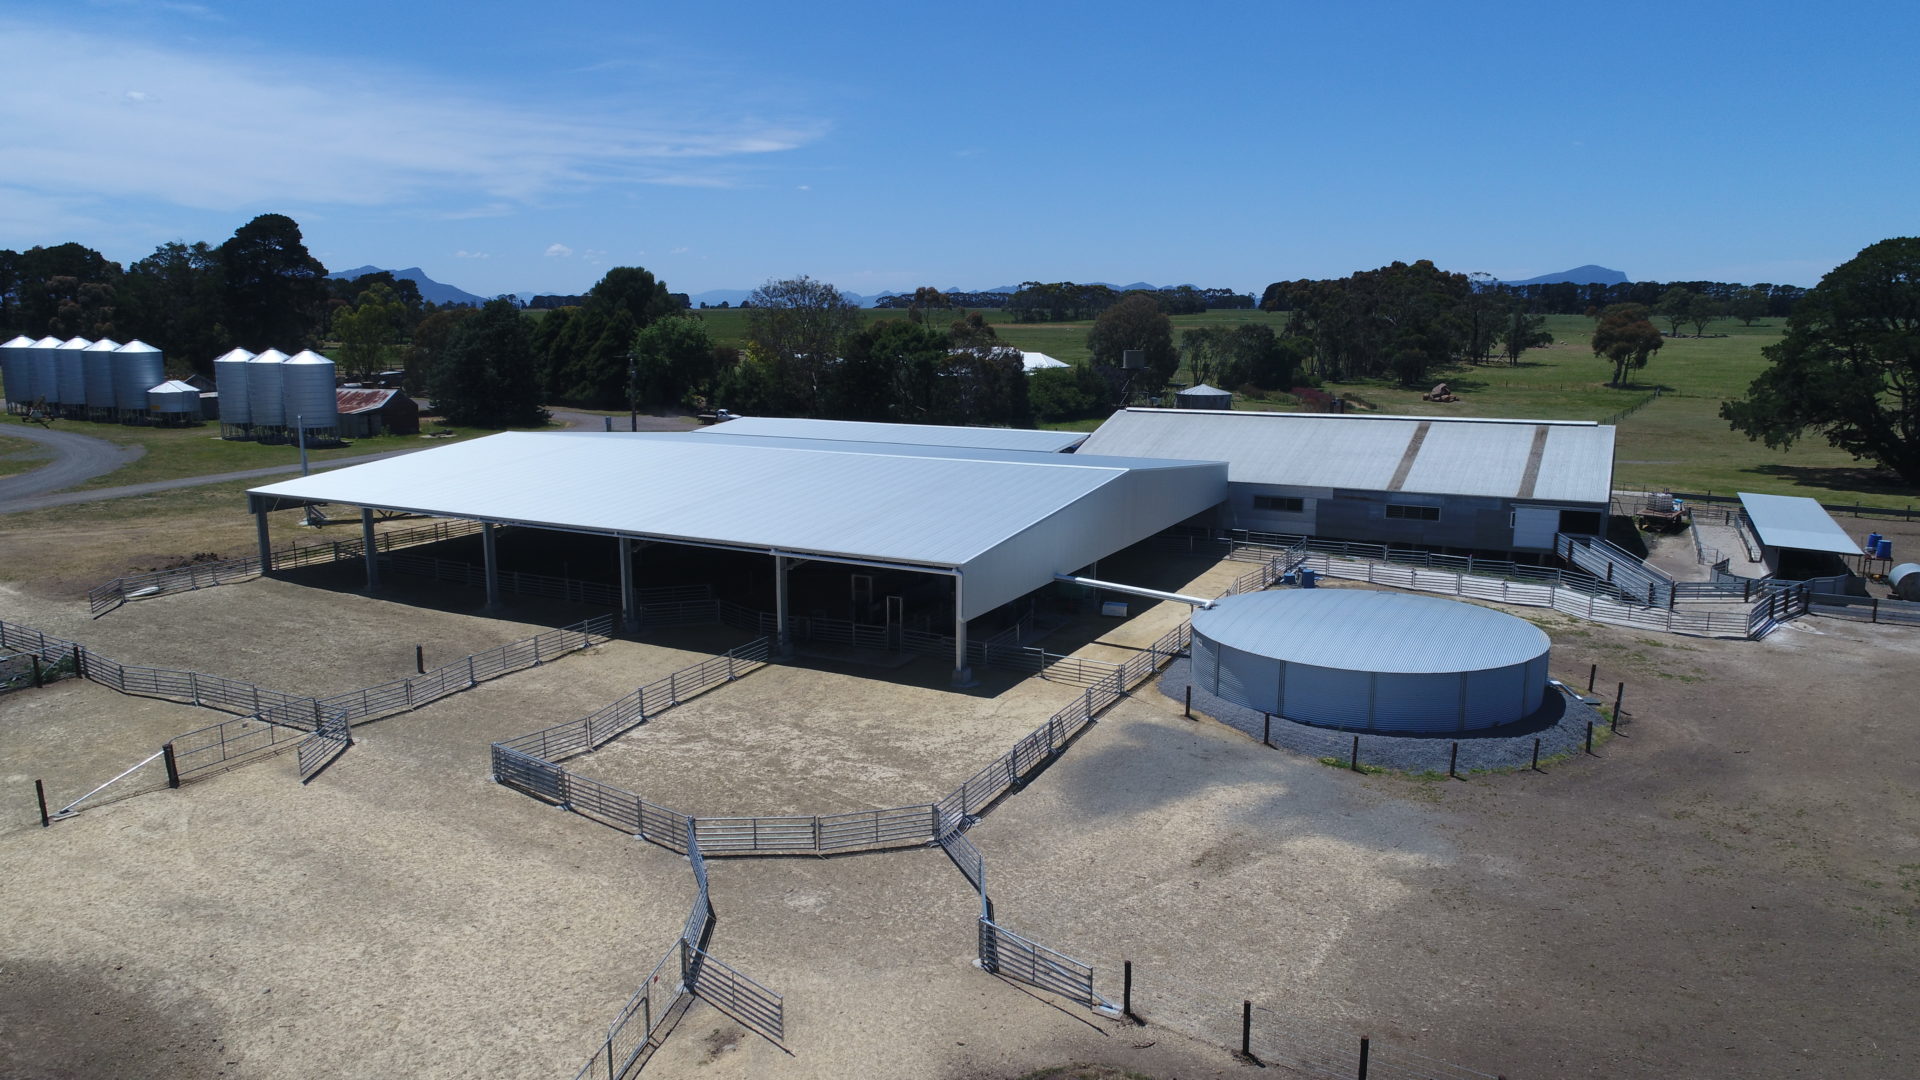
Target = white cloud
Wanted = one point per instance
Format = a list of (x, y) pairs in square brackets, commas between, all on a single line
[(679, 251), (558, 251), (215, 130), (465, 254)]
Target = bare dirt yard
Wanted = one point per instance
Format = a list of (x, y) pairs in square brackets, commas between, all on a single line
[(1732, 887)]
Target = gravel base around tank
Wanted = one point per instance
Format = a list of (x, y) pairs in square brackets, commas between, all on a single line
[(1561, 728)]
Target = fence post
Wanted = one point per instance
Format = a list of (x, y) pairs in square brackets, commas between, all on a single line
[(1365, 1046), (1593, 672), (40, 793), (1246, 1031), (1354, 761), (1618, 696), (1453, 761), (1589, 736), (38, 680), (1126, 993), (1189, 711), (1266, 728), (173, 766), (80, 661), (471, 681), (1536, 754)]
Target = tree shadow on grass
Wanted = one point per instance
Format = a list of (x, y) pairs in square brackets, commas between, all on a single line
[(1861, 478)]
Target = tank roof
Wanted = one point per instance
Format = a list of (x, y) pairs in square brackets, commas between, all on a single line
[(1364, 630)]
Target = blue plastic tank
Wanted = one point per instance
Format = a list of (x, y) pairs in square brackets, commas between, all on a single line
[(1307, 576)]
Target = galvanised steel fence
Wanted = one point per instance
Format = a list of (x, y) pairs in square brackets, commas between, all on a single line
[(414, 691), (1006, 953), (518, 582), (324, 746), (106, 597), (229, 744), (686, 969), (528, 763), (562, 741), (1731, 619)]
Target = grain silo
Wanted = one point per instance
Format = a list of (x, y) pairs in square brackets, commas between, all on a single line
[(230, 378), (16, 372), (97, 359), (137, 367), (268, 411), (1203, 397), (174, 403), (70, 374), (1371, 661), (45, 382), (306, 386)]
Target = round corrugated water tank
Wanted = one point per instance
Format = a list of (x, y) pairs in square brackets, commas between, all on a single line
[(1905, 580), (98, 361), (1371, 661), (307, 389), (71, 370), (1203, 397), (44, 358), (137, 368), (230, 378), (15, 371), (263, 389)]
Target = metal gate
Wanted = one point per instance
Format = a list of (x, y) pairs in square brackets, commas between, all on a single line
[(541, 779), (1004, 952), (754, 1006), (327, 743)]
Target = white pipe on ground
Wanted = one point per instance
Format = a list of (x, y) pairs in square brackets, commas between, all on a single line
[(1135, 590)]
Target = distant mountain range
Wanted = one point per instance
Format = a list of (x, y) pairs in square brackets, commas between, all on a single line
[(430, 290), (732, 297), (1579, 275)]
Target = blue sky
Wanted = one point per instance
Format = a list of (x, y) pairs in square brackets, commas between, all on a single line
[(530, 146)]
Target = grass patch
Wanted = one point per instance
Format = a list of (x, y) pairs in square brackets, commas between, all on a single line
[(19, 455)]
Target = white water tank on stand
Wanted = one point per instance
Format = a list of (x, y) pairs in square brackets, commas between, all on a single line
[(71, 367), (137, 368), (263, 390), (308, 391), (1905, 580), (46, 369), (230, 378), (97, 359), (15, 371)]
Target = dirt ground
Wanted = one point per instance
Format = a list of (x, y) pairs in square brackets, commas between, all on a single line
[(1733, 888)]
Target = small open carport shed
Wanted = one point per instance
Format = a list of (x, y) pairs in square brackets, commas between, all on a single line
[(1788, 523), (1000, 523)]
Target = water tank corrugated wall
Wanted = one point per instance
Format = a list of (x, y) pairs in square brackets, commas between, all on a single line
[(174, 398), (15, 371), (46, 369), (307, 388), (71, 364), (137, 368), (263, 389), (98, 360), (230, 378), (1203, 397), (1905, 580)]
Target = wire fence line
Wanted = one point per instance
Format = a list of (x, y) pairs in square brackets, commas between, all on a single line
[(110, 595)]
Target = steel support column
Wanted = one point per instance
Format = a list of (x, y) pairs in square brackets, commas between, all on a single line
[(783, 638), (266, 544), (372, 551), (492, 561), (629, 612), (962, 674)]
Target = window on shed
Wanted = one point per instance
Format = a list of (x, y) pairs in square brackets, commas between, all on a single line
[(1280, 504), (1413, 513)]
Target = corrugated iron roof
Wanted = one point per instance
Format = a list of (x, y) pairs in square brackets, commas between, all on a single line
[(1545, 460), (1363, 630), (912, 505), (359, 401), (1789, 521), (900, 434)]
